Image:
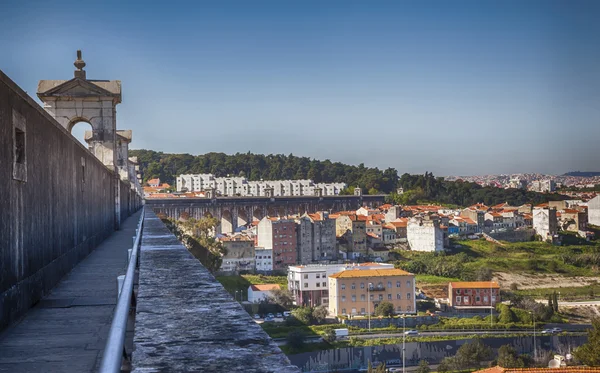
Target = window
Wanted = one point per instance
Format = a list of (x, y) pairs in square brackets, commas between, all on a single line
[(477, 299), (380, 296), (408, 296), (466, 299), (353, 286), (318, 275), (343, 311), (389, 296), (362, 311), (389, 284), (408, 308), (457, 291), (343, 299), (485, 299), (19, 150), (324, 284), (408, 284), (354, 298), (458, 299), (318, 284), (399, 308), (343, 286), (362, 297), (306, 284), (398, 284), (399, 296), (371, 297), (362, 285)]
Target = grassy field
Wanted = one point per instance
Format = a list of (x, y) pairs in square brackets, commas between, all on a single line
[(434, 280), (242, 282), (566, 293), (528, 257)]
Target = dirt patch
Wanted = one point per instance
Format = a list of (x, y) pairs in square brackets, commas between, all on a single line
[(527, 281), (580, 314)]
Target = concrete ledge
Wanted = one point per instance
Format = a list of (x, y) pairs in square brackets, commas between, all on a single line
[(187, 322)]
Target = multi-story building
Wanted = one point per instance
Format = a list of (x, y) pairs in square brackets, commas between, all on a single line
[(263, 259), (544, 186), (354, 292), (353, 227), (473, 295), (594, 211), (261, 293), (241, 186), (239, 255), (280, 236), (425, 234), (545, 222), (316, 238), (309, 285), (575, 220)]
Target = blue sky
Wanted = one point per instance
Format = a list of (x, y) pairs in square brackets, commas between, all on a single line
[(453, 87)]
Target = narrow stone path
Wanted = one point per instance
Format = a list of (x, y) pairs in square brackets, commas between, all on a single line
[(66, 331)]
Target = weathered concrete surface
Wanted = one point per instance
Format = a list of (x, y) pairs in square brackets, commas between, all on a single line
[(67, 330), (56, 208), (187, 322)]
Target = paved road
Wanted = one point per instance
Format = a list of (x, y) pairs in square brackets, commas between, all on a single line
[(67, 330)]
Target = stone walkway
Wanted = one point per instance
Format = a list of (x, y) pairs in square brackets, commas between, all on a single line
[(67, 330)]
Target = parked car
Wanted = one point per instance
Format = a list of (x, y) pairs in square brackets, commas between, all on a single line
[(557, 330), (547, 331), (270, 315), (269, 318), (287, 314), (256, 316), (279, 315), (411, 332)]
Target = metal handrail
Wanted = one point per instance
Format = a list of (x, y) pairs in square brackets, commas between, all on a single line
[(113, 351)]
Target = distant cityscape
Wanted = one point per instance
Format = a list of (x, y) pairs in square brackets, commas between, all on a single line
[(532, 181)]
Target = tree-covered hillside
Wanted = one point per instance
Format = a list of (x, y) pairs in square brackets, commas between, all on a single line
[(267, 167), (372, 180)]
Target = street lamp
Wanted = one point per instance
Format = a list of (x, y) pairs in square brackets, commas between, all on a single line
[(403, 343), (369, 304), (236, 293), (534, 345)]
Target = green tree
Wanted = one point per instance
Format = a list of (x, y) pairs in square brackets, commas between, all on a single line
[(589, 353), (304, 315), (423, 367), (555, 299), (384, 309), (471, 355), (509, 358), (329, 335), (282, 297), (319, 314), (381, 368), (295, 339)]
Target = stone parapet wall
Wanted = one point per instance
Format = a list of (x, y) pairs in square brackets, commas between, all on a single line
[(186, 321), (57, 202), (376, 322)]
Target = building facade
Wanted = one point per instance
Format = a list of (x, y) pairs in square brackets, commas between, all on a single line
[(261, 293), (280, 236), (424, 234), (309, 283), (263, 259), (358, 292), (473, 295), (594, 211), (239, 254), (545, 222)]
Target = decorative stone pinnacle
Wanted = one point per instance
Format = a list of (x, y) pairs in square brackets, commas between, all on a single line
[(79, 64)]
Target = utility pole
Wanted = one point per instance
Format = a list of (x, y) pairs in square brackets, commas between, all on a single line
[(369, 304), (403, 343)]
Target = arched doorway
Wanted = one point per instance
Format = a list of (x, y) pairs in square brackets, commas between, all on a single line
[(82, 131)]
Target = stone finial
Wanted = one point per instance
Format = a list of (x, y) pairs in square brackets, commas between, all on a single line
[(79, 64)]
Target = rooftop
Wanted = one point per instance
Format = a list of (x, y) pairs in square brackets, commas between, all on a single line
[(474, 285), (265, 287), (352, 273)]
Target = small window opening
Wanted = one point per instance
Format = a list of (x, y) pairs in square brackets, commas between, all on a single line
[(19, 146)]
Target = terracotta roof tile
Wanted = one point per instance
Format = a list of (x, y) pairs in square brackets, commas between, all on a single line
[(474, 285)]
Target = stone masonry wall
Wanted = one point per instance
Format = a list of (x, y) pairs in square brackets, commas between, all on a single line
[(56, 202), (187, 322)]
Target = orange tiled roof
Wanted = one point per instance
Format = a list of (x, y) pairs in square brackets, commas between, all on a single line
[(265, 287), (571, 369), (475, 285), (370, 273)]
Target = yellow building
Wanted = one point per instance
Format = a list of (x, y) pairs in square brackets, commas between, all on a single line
[(350, 289)]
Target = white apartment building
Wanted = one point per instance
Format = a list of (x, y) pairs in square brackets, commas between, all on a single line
[(308, 283), (594, 211), (240, 186), (263, 259), (543, 186), (545, 222), (424, 234)]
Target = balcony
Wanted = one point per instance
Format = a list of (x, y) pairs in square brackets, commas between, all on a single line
[(377, 288)]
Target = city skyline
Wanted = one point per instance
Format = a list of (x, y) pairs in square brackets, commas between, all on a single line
[(456, 89)]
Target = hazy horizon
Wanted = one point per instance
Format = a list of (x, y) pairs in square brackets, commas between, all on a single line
[(454, 88)]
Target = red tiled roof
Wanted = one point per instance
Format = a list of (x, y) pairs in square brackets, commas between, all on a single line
[(474, 285)]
